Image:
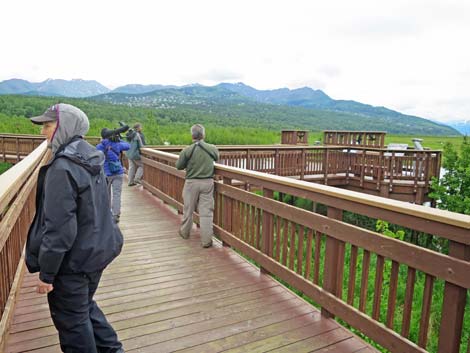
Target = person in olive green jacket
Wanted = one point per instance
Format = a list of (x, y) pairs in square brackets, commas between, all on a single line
[(136, 167), (198, 160)]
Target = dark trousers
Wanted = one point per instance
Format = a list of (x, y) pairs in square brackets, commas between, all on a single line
[(82, 326)]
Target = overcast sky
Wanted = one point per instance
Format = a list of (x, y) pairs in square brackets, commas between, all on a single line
[(412, 56)]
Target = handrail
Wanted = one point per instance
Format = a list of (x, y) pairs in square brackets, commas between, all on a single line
[(177, 148), (426, 213), (32, 136), (375, 171), (422, 212), (14, 147), (287, 242), (12, 180), (17, 205)]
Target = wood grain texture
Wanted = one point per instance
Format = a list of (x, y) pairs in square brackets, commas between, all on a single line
[(164, 294)]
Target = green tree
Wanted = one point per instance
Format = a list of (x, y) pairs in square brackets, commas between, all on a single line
[(384, 228), (452, 191)]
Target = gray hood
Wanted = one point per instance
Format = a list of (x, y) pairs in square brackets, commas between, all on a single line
[(71, 122)]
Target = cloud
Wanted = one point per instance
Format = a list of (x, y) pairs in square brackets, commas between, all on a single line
[(329, 71), (213, 76), (222, 75), (382, 27), (312, 83)]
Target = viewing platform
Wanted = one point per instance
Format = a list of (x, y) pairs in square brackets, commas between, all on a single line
[(356, 161), (252, 292)]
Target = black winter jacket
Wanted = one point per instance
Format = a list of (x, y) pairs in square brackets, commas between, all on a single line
[(73, 230)]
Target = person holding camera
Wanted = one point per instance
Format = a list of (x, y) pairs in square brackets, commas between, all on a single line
[(111, 145), (136, 167)]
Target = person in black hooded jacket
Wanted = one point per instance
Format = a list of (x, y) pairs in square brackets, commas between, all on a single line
[(73, 236)]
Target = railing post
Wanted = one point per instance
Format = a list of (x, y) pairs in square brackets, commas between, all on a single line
[(392, 171), (325, 166), (363, 167), (17, 150), (380, 169), (302, 165), (268, 226), (277, 162), (348, 165), (228, 207), (427, 170), (248, 160), (334, 262), (453, 306), (3, 149)]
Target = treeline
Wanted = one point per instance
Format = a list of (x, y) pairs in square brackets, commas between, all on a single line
[(242, 123), (166, 125)]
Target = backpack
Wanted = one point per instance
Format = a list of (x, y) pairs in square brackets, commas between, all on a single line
[(113, 166), (130, 135)]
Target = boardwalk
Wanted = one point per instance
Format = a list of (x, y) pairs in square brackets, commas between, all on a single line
[(165, 294)]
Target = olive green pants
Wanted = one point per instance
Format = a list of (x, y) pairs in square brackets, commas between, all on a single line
[(198, 194)]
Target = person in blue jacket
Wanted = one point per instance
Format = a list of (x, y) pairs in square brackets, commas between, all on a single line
[(112, 146)]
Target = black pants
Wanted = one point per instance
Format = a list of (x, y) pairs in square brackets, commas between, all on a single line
[(82, 325)]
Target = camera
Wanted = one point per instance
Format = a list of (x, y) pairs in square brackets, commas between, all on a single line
[(115, 134)]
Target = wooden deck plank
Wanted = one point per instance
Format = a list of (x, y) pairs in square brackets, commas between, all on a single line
[(164, 294), (318, 327), (315, 342), (126, 282), (187, 336), (119, 291), (149, 315), (163, 321), (149, 307), (158, 312), (259, 334), (131, 302), (366, 350), (350, 345)]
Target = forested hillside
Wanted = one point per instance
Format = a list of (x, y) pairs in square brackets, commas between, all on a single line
[(231, 107), (235, 105), (228, 121), (160, 125)]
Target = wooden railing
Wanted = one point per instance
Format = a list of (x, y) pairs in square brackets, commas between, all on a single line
[(374, 170), (377, 170), (330, 261), (14, 147), (354, 138), (17, 207)]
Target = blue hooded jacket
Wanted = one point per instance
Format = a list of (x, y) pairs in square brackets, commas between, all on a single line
[(112, 150)]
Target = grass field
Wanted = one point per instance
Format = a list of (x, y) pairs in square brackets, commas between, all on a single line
[(432, 142)]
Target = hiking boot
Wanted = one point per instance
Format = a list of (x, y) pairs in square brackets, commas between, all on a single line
[(182, 235), (208, 245)]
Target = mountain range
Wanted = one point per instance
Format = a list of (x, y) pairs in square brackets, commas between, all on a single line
[(462, 126), (50, 87), (300, 102)]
